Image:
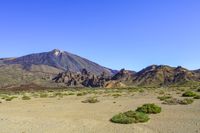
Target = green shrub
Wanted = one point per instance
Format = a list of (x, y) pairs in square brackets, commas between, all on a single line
[(81, 93), (130, 117), (138, 116), (9, 98), (43, 95), (186, 101), (197, 97), (189, 94), (91, 100), (175, 101), (116, 95), (161, 92), (122, 119), (198, 90), (162, 98), (26, 98), (71, 93), (141, 90), (172, 101), (59, 94), (149, 109)]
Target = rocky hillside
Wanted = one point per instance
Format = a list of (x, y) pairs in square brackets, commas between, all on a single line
[(156, 75)]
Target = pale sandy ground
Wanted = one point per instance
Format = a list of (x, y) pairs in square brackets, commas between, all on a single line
[(69, 115)]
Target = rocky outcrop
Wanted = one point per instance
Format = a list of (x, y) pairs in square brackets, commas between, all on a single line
[(155, 75), (82, 79), (123, 75)]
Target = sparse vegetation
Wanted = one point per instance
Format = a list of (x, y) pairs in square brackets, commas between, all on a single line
[(197, 97), (116, 95), (8, 98), (149, 109), (175, 101), (162, 98), (43, 95), (91, 100), (186, 101), (130, 117), (26, 98), (141, 90), (172, 101), (71, 93), (161, 92), (81, 93), (189, 94)]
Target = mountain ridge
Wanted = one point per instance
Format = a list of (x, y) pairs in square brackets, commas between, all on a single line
[(41, 68), (59, 59)]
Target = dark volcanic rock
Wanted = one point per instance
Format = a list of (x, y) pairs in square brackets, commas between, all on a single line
[(81, 79), (123, 75)]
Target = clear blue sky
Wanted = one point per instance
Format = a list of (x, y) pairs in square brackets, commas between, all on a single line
[(129, 34)]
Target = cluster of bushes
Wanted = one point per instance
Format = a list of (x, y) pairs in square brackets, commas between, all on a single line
[(140, 115), (8, 98), (174, 101), (130, 117)]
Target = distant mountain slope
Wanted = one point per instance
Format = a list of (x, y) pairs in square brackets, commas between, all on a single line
[(40, 68), (164, 75), (59, 60)]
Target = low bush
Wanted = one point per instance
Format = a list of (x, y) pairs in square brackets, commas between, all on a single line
[(186, 101), (138, 116), (172, 101), (122, 119), (91, 100), (149, 109), (71, 93), (116, 95), (9, 98), (162, 98), (175, 101), (130, 117), (26, 98), (81, 94), (189, 94), (197, 97), (141, 90), (161, 92), (44, 95)]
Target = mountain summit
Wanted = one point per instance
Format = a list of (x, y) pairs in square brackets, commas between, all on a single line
[(58, 59)]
